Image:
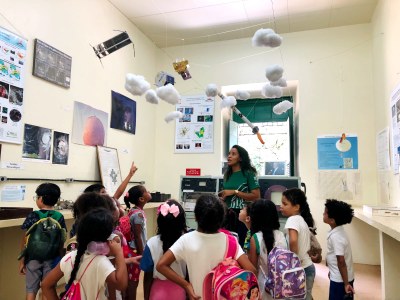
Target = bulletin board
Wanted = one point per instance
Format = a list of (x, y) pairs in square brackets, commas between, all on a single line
[(194, 132), (110, 171)]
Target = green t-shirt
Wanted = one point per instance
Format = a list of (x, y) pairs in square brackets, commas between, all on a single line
[(241, 182)]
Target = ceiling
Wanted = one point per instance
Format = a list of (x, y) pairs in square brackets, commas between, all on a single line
[(181, 22)]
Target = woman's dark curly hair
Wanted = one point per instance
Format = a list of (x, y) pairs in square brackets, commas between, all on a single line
[(245, 163)]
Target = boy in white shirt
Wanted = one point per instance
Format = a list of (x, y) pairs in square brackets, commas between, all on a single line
[(339, 258)]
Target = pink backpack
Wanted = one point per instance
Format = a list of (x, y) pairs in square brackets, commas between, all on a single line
[(124, 225), (74, 291), (227, 280)]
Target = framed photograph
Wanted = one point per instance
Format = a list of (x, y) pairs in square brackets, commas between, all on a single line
[(51, 64), (60, 148), (110, 171), (123, 113), (37, 143)]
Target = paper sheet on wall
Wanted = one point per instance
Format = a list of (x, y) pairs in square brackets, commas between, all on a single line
[(13, 193), (194, 132), (395, 114), (340, 185), (384, 186), (382, 149)]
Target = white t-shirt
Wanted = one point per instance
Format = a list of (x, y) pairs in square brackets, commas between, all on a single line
[(202, 252), (297, 223), (156, 250), (262, 267), (339, 244), (93, 282)]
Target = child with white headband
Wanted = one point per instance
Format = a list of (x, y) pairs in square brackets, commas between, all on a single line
[(171, 223)]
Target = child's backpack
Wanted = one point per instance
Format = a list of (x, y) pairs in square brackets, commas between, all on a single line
[(315, 251), (45, 237), (74, 291), (227, 280), (125, 225), (286, 277)]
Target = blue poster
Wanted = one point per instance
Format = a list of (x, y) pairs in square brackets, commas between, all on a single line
[(335, 153)]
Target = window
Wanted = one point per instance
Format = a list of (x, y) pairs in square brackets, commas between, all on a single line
[(276, 156)]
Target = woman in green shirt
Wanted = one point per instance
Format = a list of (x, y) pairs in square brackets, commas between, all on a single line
[(240, 185)]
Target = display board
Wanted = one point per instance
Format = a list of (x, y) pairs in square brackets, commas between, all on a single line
[(110, 171), (195, 130), (51, 64), (12, 76)]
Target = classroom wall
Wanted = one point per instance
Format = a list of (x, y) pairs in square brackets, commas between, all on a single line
[(71, 27), (337, 70), (386, 63), (333, 68)]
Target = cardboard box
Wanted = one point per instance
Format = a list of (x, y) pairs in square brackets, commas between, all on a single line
[(382, 211)]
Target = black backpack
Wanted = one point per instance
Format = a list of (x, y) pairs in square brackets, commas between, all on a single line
[(44, 238)]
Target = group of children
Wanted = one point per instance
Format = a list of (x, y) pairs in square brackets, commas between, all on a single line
[(175, 261)]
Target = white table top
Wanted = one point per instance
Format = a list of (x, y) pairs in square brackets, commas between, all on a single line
[(388, 225)]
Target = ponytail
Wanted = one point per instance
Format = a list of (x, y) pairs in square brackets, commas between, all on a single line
[(79, 254), (96, 225), (297, 196), (306, 214), (133, 194), (264, 218)]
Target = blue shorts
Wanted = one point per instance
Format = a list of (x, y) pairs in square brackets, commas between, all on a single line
[(336, 290)]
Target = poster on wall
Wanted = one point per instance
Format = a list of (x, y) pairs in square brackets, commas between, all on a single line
[(90, 125), (60, 148), (110, 171), (335, 153), (395, 136), (51, 64), (123, 113), (12, 66), (37, 143), (194, 132)]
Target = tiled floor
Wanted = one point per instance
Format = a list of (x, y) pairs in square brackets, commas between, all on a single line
[(367, 283)]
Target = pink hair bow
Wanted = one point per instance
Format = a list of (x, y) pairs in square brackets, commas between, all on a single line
[(164, 209)]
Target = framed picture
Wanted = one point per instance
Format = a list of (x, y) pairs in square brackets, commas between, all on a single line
[(51, 64), (110, 171)]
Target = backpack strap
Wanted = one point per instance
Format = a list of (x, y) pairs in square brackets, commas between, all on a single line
[(231, 246), (86, 268), (56, 215), (50, 213), (41, 215)]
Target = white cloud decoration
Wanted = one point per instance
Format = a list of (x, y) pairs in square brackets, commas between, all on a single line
[(173, 115), (282, 107), (136, 84), (266, 38), (168, 93)]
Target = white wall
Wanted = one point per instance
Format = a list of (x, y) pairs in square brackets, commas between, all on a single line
[(386, 59), (334, 71), (71, 26), (334, 67)]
